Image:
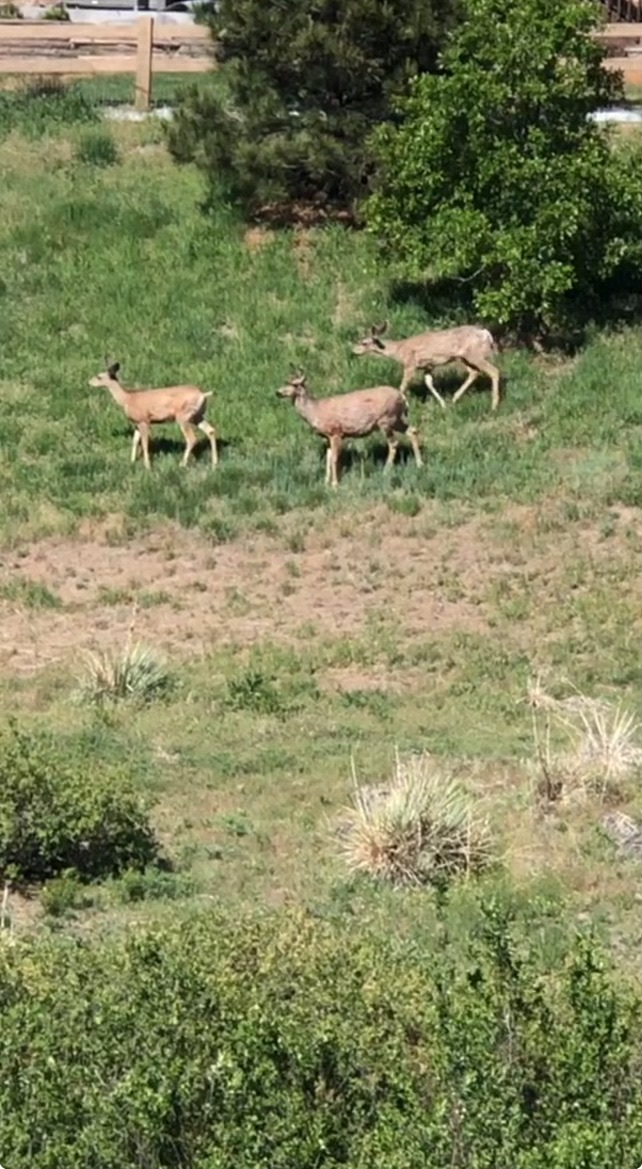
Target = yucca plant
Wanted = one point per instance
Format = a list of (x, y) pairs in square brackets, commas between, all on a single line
[(135, 672), (419, 829)]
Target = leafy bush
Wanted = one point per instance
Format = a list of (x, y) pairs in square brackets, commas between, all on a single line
[(293, 1042), (134, 672), (498, 178), (62, 895), (303, 85), (419, 829), (97, 148), (58, 12), (10, 11), (57, 815), (43, 106)]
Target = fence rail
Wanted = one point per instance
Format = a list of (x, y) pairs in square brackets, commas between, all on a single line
[(145, 46)]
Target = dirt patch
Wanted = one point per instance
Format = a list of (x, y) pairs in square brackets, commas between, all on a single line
[(393, 572)]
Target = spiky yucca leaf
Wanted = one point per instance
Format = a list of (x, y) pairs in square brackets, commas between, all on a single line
[(417, 830), (134, 672)]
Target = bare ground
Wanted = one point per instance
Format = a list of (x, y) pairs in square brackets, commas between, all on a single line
[(188, 596)]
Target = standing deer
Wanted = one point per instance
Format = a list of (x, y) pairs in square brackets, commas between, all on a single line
[(466, 343), (353, 415), (145, 408)]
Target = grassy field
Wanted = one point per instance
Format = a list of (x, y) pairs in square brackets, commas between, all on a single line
[(310, 634)]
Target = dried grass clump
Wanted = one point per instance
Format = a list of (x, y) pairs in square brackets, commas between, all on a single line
[(599, 745), (419, 829)]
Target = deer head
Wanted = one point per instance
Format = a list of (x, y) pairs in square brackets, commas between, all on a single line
[(295, 387), (372, 343), (109, 375)]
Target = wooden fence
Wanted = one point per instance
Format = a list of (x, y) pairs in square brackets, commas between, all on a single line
[(146, 46), (143, 46)]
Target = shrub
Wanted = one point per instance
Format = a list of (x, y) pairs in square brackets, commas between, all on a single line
[(56, 815), (62, 895), (290, 1042), (303, 85), (9, 11), (97, 148), (58, 12), (497, 179), (419, 829), (134, 672)]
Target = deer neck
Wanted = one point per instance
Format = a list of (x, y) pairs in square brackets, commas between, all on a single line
[(306, 407), (117, 392), (389, 349)]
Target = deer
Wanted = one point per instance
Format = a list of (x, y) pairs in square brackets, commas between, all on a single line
[(185, 405), (352, 415), (469, 344)]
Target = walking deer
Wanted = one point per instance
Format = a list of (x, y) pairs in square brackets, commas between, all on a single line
[(185, 405), (469, 344), (353, 415)]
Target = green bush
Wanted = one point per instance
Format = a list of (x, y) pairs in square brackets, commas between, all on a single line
[(57, 814), (10, 11), (303, 85), (58, 12), (267, 1045), (97, 148), (497, 179)]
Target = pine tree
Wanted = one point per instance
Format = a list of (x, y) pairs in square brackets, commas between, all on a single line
[(303, 84)]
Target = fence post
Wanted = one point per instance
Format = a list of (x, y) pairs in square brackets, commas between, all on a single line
[(145, 45)]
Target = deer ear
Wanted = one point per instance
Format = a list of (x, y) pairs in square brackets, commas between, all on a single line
[(113, 369), (377, 330)]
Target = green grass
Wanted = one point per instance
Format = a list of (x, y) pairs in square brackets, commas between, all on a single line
[(98, 261), (250, 758)]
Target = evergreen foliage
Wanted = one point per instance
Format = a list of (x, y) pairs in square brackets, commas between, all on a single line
[(304, 84)]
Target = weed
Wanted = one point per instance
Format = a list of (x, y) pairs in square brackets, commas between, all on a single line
[(30, 593), (96, 148), (152, 884), (44, 106), (601, 745)]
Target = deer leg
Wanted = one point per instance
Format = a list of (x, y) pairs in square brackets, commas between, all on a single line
[(143, 429), (190, 437), (494, 375), (328, 465), (211, 434), (393, 444), (413, 435), (334, 452), (433, 389), (406, 379), (473, 374), (135, 444)]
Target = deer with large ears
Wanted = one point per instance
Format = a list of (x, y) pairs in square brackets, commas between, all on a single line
[(185, 405), (469, 344), (352, 415)]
